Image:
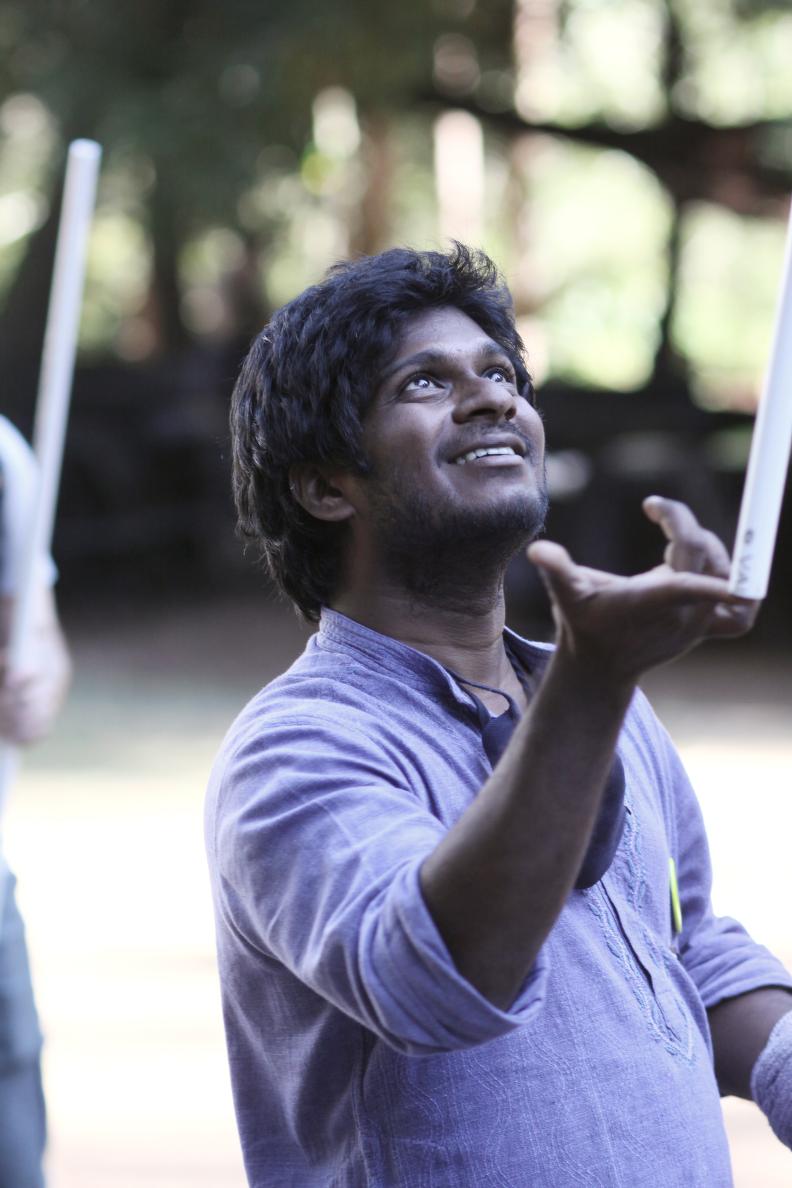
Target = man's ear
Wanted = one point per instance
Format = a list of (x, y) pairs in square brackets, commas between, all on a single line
[(320, 492)]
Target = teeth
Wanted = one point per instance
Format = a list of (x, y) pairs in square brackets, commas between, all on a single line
[(471, 457)]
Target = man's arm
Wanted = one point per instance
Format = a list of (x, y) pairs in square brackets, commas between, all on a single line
[(31, 698), (740, 1030), (752, 1037), (498, 880)]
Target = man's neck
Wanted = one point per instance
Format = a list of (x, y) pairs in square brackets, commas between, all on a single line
[(465, 636)]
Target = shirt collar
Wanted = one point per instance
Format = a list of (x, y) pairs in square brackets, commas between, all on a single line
[(408, 664)]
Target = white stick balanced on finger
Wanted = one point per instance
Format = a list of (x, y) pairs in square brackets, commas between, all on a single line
[(767, 466)]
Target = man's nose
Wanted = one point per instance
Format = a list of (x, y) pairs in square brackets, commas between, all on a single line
[(483, 397)]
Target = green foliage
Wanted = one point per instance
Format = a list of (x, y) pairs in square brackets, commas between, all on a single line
[(729, 282), (200, 89), (217, 168), (600, 226)]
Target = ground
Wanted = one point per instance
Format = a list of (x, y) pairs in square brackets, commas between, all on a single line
[(104, 831)]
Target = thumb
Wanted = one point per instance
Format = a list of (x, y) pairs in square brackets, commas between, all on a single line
[(556, 567), (551, 559)]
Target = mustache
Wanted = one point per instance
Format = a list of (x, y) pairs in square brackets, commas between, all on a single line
[(496, 437)]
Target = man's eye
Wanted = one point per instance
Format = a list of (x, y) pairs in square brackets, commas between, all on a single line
[(501, 375), (420, 383)]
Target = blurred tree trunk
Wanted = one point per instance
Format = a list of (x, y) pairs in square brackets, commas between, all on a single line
[(670, 370), (164, 303), (371, 232), (244, 292), (23, 318)]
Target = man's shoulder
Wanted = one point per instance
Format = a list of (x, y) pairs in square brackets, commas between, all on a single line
[(311, 722), (319, 680), (316, 694), (340, 707)]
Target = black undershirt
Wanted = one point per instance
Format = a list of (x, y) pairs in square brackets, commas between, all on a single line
[(495, 734)]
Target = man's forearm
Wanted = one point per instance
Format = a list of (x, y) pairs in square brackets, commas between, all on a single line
[(740, 1028), (497, 882)]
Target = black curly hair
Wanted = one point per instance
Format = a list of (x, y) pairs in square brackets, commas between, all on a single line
[(309, 379)]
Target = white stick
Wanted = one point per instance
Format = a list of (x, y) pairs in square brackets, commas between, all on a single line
[(54, 391), (765, 482)]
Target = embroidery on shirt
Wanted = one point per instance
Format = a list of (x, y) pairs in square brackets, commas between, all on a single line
[(629, 874), (677, 1043)]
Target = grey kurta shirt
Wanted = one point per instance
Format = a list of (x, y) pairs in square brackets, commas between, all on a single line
[(359, 1056)]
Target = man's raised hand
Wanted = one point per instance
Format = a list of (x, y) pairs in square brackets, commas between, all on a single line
[(623, 626)]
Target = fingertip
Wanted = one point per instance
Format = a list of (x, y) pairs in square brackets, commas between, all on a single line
[(538, 550), (549, 557), (653, 506), (748, 606)]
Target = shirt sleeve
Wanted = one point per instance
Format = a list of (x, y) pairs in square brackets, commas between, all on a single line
[(319, 844), (717, 952), (19, 479)]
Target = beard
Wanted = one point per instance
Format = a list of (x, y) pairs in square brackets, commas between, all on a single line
[(450, 556)]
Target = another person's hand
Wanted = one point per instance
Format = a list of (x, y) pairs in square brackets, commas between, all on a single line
[(31, 698), (623, 626)]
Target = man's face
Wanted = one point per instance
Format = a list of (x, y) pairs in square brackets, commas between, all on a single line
[(449, 394)]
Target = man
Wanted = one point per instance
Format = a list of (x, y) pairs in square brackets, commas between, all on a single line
[(440, 855), (29, 702)]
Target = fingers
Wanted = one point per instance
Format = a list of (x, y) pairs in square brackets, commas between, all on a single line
[(564, 580), (683, 586), (690, 547), (657, 591), (734, 619), (561, 577), (627, 625), (550, 558)]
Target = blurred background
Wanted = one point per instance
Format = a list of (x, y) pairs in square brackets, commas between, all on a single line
[(627, 163)]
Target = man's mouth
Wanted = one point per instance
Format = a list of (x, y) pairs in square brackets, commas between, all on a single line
[(487, 452)]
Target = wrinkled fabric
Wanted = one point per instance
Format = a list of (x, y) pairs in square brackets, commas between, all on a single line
[(771, 1079), (359, 1057), (20, 1035)]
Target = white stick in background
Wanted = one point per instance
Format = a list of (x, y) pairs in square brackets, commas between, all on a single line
[(54, 391), (765, 482)]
